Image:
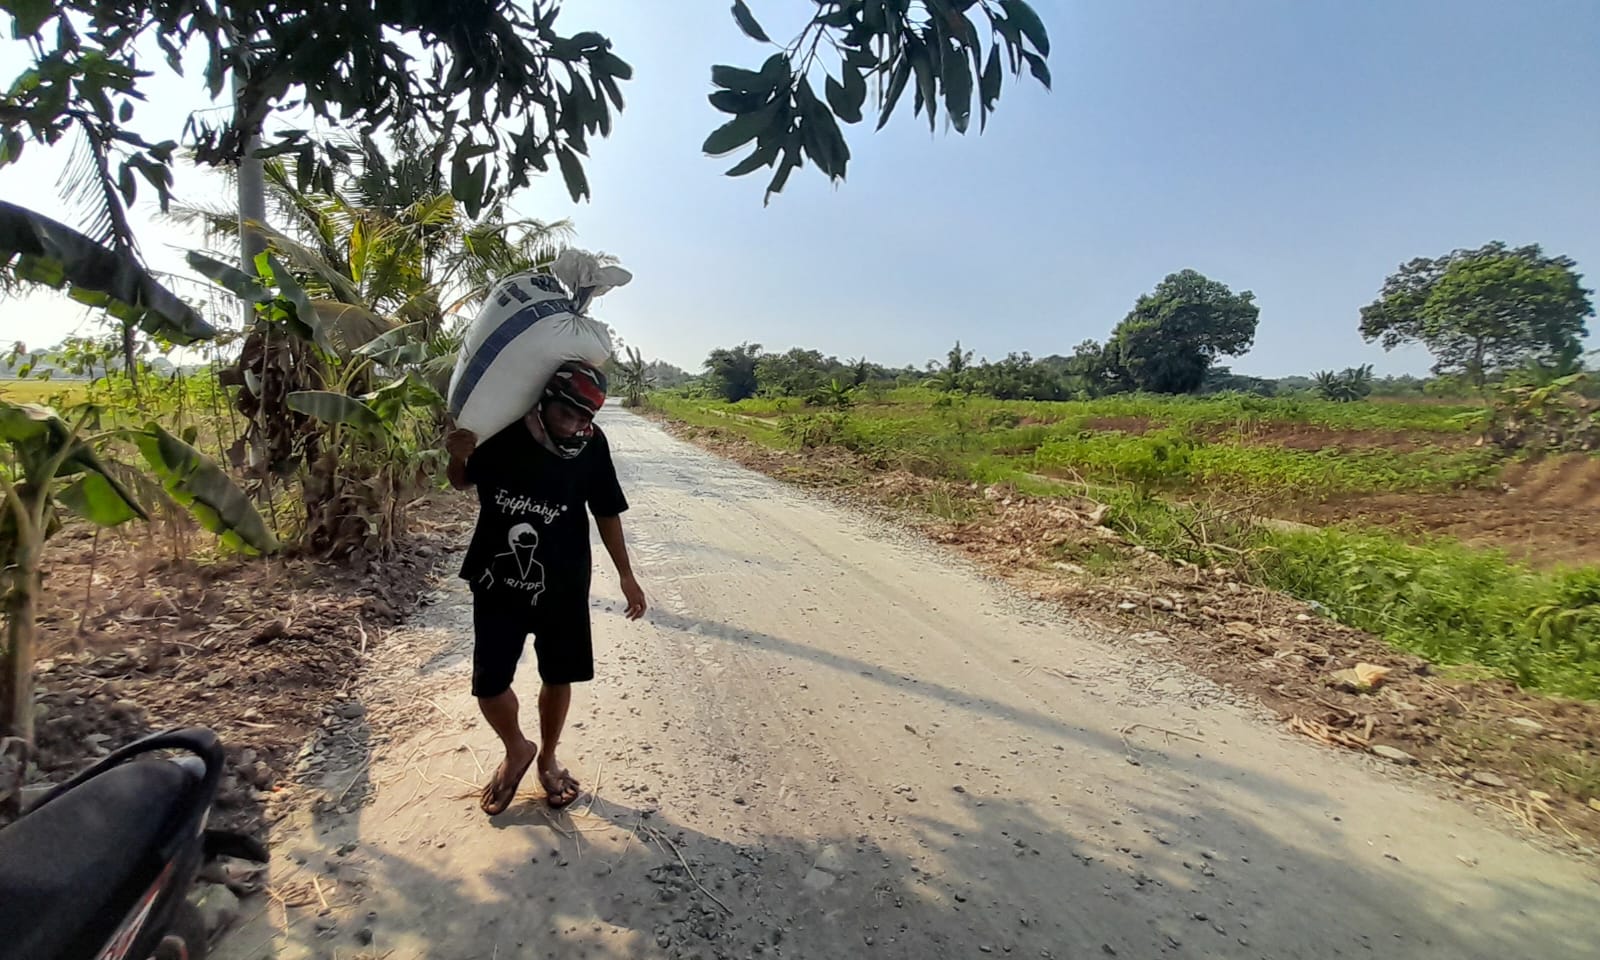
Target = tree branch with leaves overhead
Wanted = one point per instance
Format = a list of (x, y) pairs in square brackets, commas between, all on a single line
[(934, 47)]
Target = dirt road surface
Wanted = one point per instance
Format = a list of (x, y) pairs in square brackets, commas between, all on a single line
[(829, 740)]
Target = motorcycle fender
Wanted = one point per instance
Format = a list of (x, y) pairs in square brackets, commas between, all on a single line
[(121, 942)]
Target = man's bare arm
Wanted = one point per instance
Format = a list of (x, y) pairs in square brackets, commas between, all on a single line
[(616, 544)]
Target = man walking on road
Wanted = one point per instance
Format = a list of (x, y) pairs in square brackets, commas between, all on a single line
[(529, 566)]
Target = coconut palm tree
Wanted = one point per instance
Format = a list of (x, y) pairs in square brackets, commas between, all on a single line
[(389, 237)]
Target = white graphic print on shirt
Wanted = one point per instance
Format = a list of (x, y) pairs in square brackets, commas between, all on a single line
[(516, 568)]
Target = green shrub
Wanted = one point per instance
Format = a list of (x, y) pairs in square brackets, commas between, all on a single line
[(814, 429), (1450, 603), (1152, 461)]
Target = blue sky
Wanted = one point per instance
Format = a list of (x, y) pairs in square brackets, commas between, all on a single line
[(1301, 150)]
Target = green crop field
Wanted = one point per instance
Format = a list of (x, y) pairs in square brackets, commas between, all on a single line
[(43, 391)]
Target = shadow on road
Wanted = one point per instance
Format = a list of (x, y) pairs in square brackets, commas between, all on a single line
[(1050, 726), (608, 882)]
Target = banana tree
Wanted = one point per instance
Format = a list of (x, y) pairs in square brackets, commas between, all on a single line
[(636, 378), (55, 467), (310, 370), (296, 343), (376, 458), (44, 450), (834, 394)]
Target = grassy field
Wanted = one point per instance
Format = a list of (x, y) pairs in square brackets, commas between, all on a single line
[(43, 391), (1418, 539)]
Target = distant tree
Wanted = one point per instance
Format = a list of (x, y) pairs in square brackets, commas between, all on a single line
[(1017, 377), (796, 373), (949, 376), (732, 371), (635, 378), (1296, 384), (1402, 385), (1482, 311), (1092, 370), (1172, 335), (835, 393), (957, 360), (1224, 380), (666, 376)]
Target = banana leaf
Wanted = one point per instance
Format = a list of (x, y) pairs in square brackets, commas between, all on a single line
[(344, 329), (229, 277), (397, 347), (37, 432), (309, 261), (29, 422), (330, 407), (290, 305), (41, 250), (409, 390), (101, 500), (437, 371), (193, 480)]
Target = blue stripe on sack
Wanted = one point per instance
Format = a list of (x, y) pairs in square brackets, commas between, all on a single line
[(489, 351)]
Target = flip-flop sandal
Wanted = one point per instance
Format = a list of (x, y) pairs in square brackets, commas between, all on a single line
[(565, 781), (500, 791)]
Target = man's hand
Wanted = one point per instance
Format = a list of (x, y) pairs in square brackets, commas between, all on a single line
[(616, 545), (460, 444), (634, 594)]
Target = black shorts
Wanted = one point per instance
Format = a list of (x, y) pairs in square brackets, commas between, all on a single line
[(561, 641)]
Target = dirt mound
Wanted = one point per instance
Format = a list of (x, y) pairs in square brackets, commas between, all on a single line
[(1137, 426), (1546, 514), (1571, 481), (261, 652)]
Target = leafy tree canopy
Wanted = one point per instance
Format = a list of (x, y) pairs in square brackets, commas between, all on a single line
[(1173, 334), (510, 91), (934, 47), (1484, 310), (732, 371)]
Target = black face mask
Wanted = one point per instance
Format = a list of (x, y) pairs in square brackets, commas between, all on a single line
[(564, 447)]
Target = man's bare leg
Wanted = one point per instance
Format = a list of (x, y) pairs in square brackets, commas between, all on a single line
[(559, 784), (501, 712)]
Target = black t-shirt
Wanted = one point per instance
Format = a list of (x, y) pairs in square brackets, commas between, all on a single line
[(532, 538)]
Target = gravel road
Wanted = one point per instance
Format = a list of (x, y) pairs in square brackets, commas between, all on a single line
[(830, 740)]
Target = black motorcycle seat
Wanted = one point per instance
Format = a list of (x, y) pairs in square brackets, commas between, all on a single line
[(63, 864)]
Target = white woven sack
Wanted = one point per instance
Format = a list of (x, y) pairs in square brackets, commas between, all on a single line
[(527, 327)]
